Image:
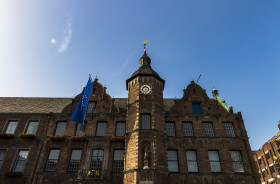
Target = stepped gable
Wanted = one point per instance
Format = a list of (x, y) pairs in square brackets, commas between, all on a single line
[(195, 93), (105, 103)]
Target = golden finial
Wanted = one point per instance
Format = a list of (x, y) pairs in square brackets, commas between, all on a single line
[(145, 44)]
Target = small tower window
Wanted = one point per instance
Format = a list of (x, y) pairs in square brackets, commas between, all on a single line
[(145, 121), (197, 109)]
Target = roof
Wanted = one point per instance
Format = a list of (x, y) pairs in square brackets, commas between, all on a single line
[(33, 105), (168, 103), (122, 102), (55, 105), (145, 70)]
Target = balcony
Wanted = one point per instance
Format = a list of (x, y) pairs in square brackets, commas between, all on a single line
[(89, 175)]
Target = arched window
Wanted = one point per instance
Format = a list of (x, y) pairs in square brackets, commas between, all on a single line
[(97, 157)]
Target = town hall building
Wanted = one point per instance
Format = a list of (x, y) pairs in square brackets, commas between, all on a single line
[(142, 139)]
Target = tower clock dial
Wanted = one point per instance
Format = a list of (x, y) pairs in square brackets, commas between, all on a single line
[(146, 89)]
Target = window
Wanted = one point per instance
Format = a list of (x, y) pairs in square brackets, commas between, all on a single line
[(20, 161), (32, 127), (197, 109), (101, 129), (120, 128), (272, 169), (145, 121), (263, 161), (229, 129), (260, 161), (237, 161), (52, 160), (214, 161), (75, 160), (11, 127), (264, 173), (172, 161), (118, 163), (2, 156), (91, 108), (170, 129), (60, 128), (208, 129), (96, 162), (188, 129), (191, 161), (270, 153), (267, 156), (81, 130)]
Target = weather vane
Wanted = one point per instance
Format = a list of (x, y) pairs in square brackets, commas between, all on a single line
[(145, 44)]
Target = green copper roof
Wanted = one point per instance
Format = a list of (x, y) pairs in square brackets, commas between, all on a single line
[(220, 100)]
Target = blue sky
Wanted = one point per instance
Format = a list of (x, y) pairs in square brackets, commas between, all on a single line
[(48, 48)]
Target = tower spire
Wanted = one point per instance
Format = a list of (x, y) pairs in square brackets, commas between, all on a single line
[(145, 60)]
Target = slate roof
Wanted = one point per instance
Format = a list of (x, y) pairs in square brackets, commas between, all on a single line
[(168, 103), (121, 104), (32, 105), (55, 105), (145, 70)]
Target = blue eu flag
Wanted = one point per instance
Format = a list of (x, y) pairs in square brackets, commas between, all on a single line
[(80, 111)]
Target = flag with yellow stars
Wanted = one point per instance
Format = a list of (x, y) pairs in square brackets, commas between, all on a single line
[(80, 111)]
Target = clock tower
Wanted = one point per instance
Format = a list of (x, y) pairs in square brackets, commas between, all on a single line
[(145, 148)]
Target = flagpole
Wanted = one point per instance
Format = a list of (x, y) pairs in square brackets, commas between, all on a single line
[(90, 77), (83, 128)]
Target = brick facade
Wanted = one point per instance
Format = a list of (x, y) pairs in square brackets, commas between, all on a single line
[(148, 148), (266, 167)]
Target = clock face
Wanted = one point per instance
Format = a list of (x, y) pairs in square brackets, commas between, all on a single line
[(146, 89)]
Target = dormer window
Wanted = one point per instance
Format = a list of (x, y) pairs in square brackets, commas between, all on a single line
[(91, 108), (197, 109)]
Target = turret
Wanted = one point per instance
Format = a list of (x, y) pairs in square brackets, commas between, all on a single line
[(217, 97)]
